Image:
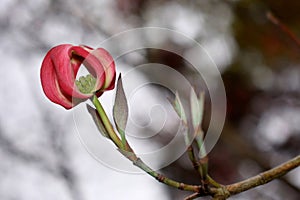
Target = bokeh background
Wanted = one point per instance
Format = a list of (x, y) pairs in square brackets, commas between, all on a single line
[(40, 152)]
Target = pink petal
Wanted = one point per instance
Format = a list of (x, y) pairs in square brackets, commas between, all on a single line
[(50, 83), (60, 67), (65, 69), (109, 66), (93, 65)]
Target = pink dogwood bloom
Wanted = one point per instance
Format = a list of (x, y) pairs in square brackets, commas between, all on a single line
[(60, 67)]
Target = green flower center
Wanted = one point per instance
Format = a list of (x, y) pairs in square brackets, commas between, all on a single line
[(86, 84)]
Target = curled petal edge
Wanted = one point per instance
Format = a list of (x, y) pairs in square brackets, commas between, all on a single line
[(50, 84)]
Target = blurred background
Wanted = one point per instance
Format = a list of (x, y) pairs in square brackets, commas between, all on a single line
[(41, 155)]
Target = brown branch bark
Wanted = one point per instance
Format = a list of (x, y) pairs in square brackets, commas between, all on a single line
[(244, 149), (264, 177), (225, 191)]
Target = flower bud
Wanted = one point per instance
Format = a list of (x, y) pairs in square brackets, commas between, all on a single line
[(60, 67)]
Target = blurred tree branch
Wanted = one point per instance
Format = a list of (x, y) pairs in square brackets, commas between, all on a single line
[(272, 18), (58, 146)]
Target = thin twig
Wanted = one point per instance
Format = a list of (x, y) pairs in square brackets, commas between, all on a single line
[(264, 177), (219, 192), (242, 148), (192, 196), (271, 17), (163, 179), (194, 160), (130, 154)]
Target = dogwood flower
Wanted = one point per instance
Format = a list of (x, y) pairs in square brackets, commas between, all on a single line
[(60, 67)]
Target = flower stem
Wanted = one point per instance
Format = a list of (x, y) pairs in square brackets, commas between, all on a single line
[(213, 182), (193, 159), (130, 154), (217, 190), (161, 178), (111, 132), (202, 153)]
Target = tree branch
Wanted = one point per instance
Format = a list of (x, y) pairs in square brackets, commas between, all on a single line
[(264, 177)]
